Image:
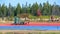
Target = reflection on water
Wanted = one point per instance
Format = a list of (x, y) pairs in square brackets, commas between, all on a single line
[(29, 27)]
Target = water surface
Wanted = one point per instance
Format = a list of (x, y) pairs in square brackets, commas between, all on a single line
[(29, 27)]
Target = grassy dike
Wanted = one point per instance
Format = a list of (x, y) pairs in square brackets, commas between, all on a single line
[(28, 32)]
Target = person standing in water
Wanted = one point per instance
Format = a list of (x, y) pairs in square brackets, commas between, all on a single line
[(16, 20), (15, 17)]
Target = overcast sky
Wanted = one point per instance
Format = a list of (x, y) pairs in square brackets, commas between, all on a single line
[(14, 2)]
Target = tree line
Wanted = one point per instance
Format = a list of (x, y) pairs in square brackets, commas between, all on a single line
[(44, 9)]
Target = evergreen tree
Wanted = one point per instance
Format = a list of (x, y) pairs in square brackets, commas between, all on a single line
[(3, 11), (34, 9), (18, 9)]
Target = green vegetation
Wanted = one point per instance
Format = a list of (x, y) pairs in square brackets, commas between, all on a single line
[(42, 17), (46, 33), (33, 11), (32, 17), (9, 33), (39, 32), (0, 32), (31, 33)]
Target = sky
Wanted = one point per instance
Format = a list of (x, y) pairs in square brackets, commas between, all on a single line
[(15, 2)]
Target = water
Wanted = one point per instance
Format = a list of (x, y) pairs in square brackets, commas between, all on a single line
[(29, 27)]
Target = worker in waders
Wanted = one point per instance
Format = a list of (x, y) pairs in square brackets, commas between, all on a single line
[(15, 20), (18, 21), (15, 17)]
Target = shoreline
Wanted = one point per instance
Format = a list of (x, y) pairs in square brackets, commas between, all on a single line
[(29, 31), (33, 24)]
